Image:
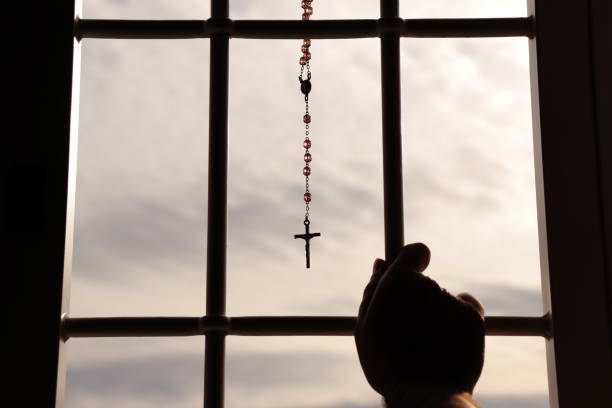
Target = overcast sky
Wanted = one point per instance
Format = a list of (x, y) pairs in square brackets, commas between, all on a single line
[(140, 240)]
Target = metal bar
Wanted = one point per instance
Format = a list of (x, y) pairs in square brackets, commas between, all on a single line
[(571, 174), (214, 370), (296, 29), (131, 327), (391, 133), (217, 176), (219, 8), (216, 254), (264, 326), (389, 8), (292, 326), (517, 326), (344, 326), (37, 180)]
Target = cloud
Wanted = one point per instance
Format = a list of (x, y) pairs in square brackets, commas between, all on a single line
[(136, 231), (177, 379), (277, 370), (462, 9), (505, 299), (514, 401), (345, 405), (497, 401), (161, 379), (488, 401)]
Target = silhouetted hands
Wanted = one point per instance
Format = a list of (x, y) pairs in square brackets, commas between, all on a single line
[(418, 345)]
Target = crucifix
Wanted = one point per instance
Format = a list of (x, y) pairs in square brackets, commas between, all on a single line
[(307, 237)]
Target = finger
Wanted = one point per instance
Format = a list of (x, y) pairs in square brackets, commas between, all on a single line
[(407, 267), (472, 301), (403, 290), (378, 270), (413, 257), (398, 284)]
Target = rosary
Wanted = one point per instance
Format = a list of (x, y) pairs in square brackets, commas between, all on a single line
[(305, 87)]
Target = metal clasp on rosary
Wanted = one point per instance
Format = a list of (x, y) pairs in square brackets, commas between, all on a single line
[(305, 84)]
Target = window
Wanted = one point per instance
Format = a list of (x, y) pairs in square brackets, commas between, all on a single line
[(561, 195)]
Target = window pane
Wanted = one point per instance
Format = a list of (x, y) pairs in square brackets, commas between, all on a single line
[(135, 373), (292, 10), (469, 171), (267, 273), (146, 9), (514, 374), (324, 372), (462, 8), (141, 180), (267, 372)]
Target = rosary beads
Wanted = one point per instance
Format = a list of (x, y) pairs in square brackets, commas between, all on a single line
[(305, 87)]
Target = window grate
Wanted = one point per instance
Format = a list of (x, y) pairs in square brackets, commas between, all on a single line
[(574, 211)]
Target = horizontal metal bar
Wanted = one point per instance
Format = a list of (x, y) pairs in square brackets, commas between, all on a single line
[(264, 326), (292, 326), (132, 327), (518, 326), (297, 29)]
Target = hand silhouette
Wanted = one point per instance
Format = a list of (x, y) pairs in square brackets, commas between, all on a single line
[(417, 343)]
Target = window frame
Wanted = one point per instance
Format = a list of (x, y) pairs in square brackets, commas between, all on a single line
[(571, 100)]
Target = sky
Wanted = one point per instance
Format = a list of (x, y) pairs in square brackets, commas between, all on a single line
[(140, 230)]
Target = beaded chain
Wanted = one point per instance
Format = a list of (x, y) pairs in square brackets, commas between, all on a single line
[(305, 87)]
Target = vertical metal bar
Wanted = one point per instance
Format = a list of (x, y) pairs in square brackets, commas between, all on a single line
[(217, 176), (571, 171), (389, 8), (37, 200), (214, 370), (214, 353), (219, 8), (392, 134)]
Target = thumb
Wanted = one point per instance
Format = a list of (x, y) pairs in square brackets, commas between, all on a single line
[(414, 257)]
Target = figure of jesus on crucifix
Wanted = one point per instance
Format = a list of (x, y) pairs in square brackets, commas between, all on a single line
[(307, 237)]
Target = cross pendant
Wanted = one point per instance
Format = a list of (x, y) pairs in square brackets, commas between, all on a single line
[(307, 237)]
